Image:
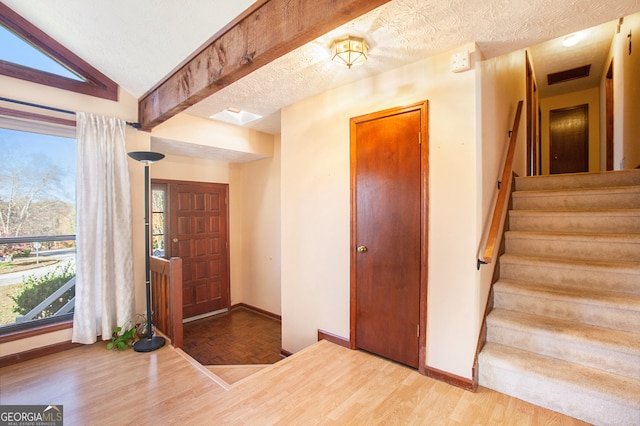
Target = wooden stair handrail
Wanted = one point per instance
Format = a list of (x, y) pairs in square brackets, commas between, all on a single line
[(501, 205), (166, 279)]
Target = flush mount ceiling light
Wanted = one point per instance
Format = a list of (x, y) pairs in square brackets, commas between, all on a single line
[(571, 40), (349, 51), (235, 116)]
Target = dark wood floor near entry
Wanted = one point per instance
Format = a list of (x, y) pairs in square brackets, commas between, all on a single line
[(239, 337)]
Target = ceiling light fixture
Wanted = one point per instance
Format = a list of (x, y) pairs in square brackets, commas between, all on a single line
[(349, 51), (570, 40)]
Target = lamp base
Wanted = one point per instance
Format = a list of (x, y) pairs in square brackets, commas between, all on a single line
[(148, 345)]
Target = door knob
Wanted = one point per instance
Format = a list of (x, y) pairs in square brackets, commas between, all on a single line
[(361, 249), (175, 240)]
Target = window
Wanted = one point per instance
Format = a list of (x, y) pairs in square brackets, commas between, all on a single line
[(158, 228), (14, 49), (63, 69), (37, 224)]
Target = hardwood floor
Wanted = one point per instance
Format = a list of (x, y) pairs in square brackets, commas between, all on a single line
[(322, 384), (238, 337)]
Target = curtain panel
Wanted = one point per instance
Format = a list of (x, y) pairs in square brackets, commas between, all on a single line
[(104, 264)]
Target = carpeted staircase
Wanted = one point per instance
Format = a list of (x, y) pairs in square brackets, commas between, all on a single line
[(564, 332)]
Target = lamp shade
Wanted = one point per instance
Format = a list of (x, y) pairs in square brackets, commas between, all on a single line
[(350, 51), (146, 156)]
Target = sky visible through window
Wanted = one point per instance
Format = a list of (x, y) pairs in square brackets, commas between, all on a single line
[(14, 49), (36, 156)]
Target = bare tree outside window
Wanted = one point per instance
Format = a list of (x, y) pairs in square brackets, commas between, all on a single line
[(37, 227), (32, 195)]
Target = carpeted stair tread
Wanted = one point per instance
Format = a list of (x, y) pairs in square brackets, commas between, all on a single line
[(582, 180), (580, 236), (611, 350), (620, 221), (589, 306), (586, 296), (611, 385), (622, 266), (619, 340), (612, 275), (578, 198), (583, 392), (574, 245)]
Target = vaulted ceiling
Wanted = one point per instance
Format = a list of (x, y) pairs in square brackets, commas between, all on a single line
[(138, 43)]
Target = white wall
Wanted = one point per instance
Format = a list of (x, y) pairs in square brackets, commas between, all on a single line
[(316, 207)]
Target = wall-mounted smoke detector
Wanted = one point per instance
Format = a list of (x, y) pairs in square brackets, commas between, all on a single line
[(460, 62)]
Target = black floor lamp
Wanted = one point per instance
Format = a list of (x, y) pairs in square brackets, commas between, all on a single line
[(150, 342)]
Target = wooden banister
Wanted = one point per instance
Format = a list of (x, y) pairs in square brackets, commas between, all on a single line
[(500, 209), (166, 279)]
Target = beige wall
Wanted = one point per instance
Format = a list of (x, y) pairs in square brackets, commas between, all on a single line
[(630, 76), (502, 85), (260, 223), (316, 207), (626, 98), (199, 137), (126, 108), (590, 97)]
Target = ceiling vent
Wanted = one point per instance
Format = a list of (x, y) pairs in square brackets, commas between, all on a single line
[(572, 74)]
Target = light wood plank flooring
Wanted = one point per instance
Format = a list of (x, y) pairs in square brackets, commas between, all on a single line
[(323, 384)]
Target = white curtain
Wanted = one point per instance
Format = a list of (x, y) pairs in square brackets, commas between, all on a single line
[(104, 264)]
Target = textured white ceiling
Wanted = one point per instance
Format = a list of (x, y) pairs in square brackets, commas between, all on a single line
[(404, 31), (592, 49), (137, 43)]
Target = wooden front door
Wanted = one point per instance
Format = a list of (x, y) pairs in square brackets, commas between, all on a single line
[(198, 233), (388, 264), (569, 139)]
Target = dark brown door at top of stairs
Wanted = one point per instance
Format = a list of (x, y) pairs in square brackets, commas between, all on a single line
[(388, 219), (569, 139)]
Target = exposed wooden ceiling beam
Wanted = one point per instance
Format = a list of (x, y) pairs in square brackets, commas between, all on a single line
[(263, 33)]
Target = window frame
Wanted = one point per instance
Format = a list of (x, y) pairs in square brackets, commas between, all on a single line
[(161, 187), (27, 121), (96, 84)]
